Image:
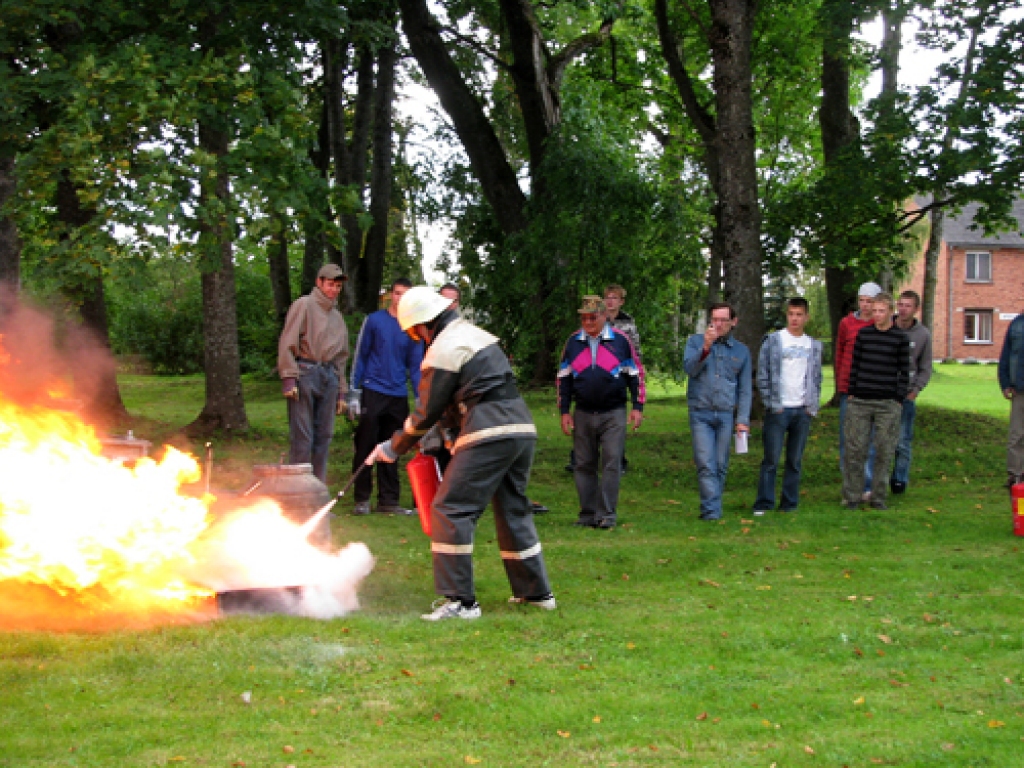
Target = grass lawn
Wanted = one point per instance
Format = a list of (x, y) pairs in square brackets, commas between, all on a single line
[(821, 638)]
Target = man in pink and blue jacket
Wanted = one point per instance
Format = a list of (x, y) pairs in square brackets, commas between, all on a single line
[(599, 372)]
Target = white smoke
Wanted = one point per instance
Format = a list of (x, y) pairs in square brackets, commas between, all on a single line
[(258, 548)]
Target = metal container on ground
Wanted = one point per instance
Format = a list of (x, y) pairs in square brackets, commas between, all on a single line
[(299, 492)]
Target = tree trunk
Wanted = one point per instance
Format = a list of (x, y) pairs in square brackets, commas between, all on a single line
[(224, 408), (314, 240), (839, 134), (277, 262), (740, 214), (10, 244), (380, 179), (350, 155), (939, 194), (92, 362), (892, 40), (497, 178), (931, 265)]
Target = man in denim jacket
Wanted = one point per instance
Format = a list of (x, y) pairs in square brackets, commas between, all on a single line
[(789, 380), (718, 396), (1011, 382)]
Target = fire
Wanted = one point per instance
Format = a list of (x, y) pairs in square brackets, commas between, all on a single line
[(86, 540), (86, 526)]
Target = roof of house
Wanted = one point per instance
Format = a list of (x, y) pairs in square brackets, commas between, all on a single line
[(957, 229)]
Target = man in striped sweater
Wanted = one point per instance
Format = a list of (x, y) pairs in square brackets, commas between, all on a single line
[(879, 381)]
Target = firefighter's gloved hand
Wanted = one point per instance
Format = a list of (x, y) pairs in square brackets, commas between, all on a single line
[(383, 452), (290, 388), (353, 400)]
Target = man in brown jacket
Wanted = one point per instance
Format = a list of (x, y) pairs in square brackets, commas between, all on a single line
[(311, 357)]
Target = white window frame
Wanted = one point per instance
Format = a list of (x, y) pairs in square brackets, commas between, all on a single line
[(982, 324), (980, 275)]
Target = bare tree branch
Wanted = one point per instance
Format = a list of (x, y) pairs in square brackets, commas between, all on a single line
[(477, 46)]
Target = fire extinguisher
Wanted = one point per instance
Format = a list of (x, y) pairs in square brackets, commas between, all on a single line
[(425, 479), (1017, 499)]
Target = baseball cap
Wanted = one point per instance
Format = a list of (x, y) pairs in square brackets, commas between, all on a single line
[(331, 272), (869, 289)]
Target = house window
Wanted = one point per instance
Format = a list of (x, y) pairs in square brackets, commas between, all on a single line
[(979, 267), (978, 326)]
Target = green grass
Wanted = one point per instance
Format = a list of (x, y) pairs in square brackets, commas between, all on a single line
[(870, 638)]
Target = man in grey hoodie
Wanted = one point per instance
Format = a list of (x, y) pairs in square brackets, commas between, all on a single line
[(789, 380)]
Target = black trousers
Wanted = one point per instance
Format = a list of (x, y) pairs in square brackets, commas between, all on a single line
[(382, 415)]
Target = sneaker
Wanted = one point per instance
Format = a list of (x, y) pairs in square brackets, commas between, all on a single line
[(881, 505), (445, 608), (897, 487), (853, 505), (547, 603), (585, 523), (759, 512), (537, 508), (393, 509), (606, 524), (361, 508)]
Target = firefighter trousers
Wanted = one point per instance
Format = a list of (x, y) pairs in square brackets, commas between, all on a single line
[(498, 472)]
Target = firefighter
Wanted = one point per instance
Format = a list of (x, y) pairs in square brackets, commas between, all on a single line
[(467, 381)]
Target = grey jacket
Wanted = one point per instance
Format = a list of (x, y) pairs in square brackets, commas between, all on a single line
[(920, 355), (769, 375)]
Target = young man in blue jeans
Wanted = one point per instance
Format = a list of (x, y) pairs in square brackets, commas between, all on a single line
[(789, 380), (718, 394)]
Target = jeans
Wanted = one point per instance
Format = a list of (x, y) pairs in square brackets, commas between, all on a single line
[(711, 432), (599, 440), (904, 448), (791, 426), (311, 417), (870, 422), (842, 429)]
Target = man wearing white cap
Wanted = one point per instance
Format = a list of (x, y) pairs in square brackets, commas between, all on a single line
[(311, 357), (845, 338)]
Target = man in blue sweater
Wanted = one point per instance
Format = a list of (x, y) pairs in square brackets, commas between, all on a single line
[(386, 360)]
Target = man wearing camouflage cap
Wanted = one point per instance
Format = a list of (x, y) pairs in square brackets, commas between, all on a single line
[(597, 373)]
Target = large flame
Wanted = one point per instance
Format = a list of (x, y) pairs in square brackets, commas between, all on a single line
[(101, 539), (74, 520)]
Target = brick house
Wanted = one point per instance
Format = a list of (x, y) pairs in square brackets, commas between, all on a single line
[(974, 309)]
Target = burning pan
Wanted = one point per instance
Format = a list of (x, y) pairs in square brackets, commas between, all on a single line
[(259, 600)]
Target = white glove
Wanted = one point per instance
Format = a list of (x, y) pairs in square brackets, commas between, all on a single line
[(383, 452)]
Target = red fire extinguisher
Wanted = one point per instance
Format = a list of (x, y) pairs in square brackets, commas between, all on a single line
[(1017, 498), (425, 479)]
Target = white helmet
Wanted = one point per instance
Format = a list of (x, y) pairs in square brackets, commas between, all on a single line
[(420, 305)]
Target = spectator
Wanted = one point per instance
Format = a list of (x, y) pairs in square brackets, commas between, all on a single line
[(1011, 381), (467, 379), (597, 373), (920, 374), (451, 291), (386, 360), (311, 356), (614, 296), (789, 379), (878, 384), (718, 396), (849, 327)]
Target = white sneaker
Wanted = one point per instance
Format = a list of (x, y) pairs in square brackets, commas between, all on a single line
[(451, 609), (548, 603), (758, 513)]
